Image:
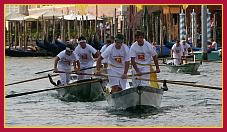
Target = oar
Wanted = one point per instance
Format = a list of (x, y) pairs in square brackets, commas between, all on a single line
[(179, 81), (44, 71), (33, 79), (44, 77), (43, 90), (186, 84), (53, 69), (106, 75)]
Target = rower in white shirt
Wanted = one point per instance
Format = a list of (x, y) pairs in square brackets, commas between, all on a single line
[(84, 52)]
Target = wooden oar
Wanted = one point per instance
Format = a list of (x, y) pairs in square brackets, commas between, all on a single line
[(33, 79), (186, 84), (53, 69), (106, 75), (44, 71), (45, 77), (59, 87), (129, 76), (179, 81)]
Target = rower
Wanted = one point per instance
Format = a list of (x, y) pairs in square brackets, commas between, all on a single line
[(84, 52), (176, 53), (141, 53), (185, 46), (63, 63), (118, 58)]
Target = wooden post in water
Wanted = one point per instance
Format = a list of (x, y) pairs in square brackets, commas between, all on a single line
[(114, 20), (214, 28), (25, 34), (19, 26), (75, 28), (53, 34), (47, 30), (204, 31), (133, 23), (86, 26), (96, 14), (9, 34), (161, 33), (15, 34), (37, 29), (80, 27), (30, 33), (69, 36), (111, 27), (43, 26)]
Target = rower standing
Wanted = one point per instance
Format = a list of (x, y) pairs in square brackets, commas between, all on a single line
[(109, 41), (177, 52), (186, 46), (63, 63), (84, 52), (142, 53), (118, 63)]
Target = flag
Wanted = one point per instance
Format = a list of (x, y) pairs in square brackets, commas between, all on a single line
[(82, 9), (185, 7), (153, 76), (139, 7)]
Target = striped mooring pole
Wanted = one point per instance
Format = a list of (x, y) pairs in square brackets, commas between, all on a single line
[(194, 29), (208, 26), (182, 25)]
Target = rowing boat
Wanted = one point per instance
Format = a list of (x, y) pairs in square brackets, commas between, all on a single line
[(136, 97), (188, 68), (83, 90)]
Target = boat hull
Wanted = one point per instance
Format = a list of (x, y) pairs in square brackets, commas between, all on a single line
[(213, 56), (136, 97), (50, 47), (188, 68), (90, 90), (25, 53)]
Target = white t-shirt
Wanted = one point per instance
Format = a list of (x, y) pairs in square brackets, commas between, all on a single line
[(103, 48), (85, 55), (65, 60), (185, 47), (143, 54), (105, 60), (177, 51), (116, 57), (214, 45)]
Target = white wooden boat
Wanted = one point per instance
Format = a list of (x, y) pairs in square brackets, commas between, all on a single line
[(136, 97)]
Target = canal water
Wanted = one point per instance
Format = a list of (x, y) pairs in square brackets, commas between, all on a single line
[(182, 106)]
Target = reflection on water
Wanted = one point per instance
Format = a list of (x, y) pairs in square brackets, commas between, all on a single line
[(137, 112)]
